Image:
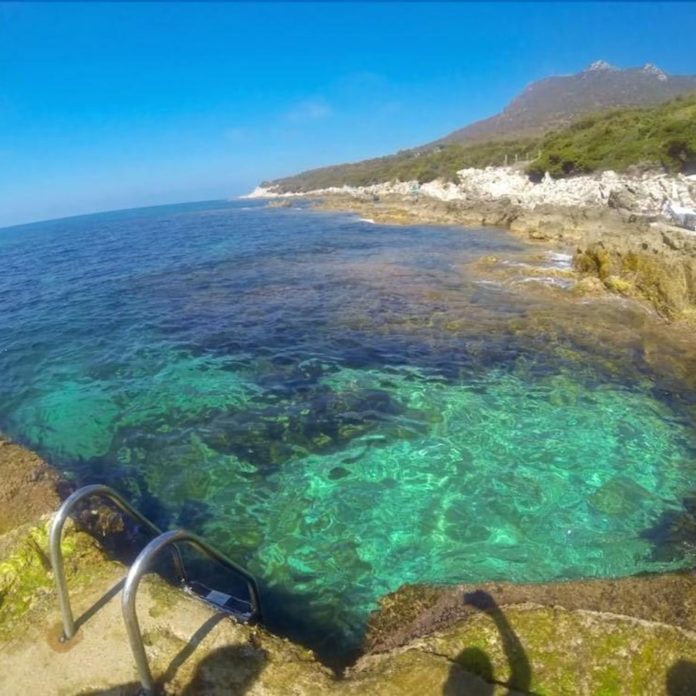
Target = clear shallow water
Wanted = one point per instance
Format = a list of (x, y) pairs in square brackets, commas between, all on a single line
[(347, 407)]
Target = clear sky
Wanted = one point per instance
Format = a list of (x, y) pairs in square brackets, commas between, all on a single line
[(122, 105)]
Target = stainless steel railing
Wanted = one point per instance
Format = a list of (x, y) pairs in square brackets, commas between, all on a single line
[(141, 566), (56, 552)]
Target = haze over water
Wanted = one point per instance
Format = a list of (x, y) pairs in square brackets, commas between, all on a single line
[(346, 407)]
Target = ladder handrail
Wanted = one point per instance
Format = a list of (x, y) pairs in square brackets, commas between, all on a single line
[(141, 566), (56, 552)]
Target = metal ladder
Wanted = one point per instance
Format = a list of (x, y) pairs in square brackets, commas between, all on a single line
[(141, 565)]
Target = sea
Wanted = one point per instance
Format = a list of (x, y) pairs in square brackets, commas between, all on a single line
[(344, 407)]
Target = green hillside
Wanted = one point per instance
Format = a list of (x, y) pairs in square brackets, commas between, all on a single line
[(663, 135), (411, 165), (656, 136)]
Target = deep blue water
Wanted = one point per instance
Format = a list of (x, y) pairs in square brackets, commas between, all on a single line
[(345, 407)]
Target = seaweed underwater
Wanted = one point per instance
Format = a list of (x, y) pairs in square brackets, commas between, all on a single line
[(346, 407)]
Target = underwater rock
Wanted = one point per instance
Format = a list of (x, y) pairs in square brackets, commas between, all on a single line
[(323, 420), (618, 496), (194, 514), (74, 420), (674, 534)]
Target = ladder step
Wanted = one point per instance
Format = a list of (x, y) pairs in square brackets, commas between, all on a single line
[(240, 608)]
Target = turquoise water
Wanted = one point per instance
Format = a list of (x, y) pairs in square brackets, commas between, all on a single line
[(346, 407)]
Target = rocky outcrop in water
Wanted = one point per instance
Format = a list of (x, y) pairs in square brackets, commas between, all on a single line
[(657, 263), (614, 221), (29, 488)]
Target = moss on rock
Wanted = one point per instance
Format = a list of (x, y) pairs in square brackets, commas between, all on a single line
[(657, 264), (26, 579), (543, 650)]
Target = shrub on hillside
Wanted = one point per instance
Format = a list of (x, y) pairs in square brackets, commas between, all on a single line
[(660, 136)]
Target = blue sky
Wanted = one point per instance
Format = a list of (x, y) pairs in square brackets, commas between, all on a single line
[(122, 105)]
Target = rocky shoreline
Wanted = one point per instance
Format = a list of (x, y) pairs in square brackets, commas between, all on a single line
[(614, 223), (625, 636)]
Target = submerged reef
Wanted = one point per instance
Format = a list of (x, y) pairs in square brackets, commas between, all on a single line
[(615, 222)]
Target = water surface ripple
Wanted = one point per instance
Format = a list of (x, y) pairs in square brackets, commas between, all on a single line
[(346, 407)]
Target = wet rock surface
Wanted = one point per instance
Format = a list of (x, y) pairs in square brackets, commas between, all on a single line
[(416, 610), (656, 263), (633, 254), (628, 636), (546, 222), (550, 650), (28, 486)]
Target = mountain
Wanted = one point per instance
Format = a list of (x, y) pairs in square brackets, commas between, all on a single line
[(556, 101), (536, 126)]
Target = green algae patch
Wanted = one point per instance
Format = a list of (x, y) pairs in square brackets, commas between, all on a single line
[(24, 576), (619, 285), (656, 279), (164, 596), (554, 651), (656, 269), (26, 579)]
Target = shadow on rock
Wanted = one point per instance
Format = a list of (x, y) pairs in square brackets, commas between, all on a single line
[(681, 679), (471, 661), (476, 661), (228, 671)]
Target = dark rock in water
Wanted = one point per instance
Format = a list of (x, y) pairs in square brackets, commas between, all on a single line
[(312, 370), (618, 496), (319, 421), (193, 515), (674, 534), (338, 472)]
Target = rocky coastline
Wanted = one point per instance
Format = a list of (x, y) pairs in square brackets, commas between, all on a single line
[(615, 223), (625, 636)]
